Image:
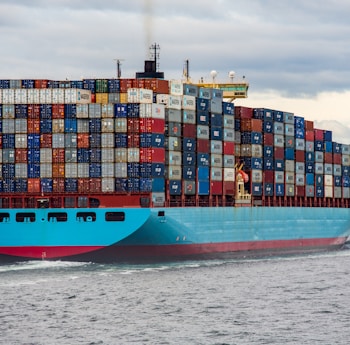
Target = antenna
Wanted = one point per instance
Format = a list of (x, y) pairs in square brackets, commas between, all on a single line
[(119, 71), (186, 71), (155, 54), (213, 75), (231, 74)]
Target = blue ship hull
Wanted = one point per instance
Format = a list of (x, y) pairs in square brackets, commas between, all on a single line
[(145, 234)]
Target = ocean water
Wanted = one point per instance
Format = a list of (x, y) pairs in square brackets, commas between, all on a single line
[(279, 300)]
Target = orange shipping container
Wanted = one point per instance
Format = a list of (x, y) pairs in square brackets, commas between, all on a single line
[(34, 185), (33, 111), (58, 170), (21, 155), (101, 98), (58, 111), (33, 126), (95, 185), (83, 140), (83, 185), (46, 140), (58, 155)]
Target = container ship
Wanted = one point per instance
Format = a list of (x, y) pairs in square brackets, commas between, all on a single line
[(144, 169)]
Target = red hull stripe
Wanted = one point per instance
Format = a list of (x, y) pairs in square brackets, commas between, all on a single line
[(47, 252), (138, 251)]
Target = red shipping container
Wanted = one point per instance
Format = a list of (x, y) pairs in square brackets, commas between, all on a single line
[(189, 130), (33, 111), (0, 140), (309, 125), (46, 140), (58, 156), (278, 153), (133, 125), (203, 145), (41, 83), (309, 136), (157, 85), (83, 140), (126, 84), (337, 158), (243, 112), (228, 188), (152, 125), (300, 191), (139, 83), (300, 156), (268, 176), (33, 126), (328, 157), (95, 185), (34, 185), (83, 185), (58, 111), (318, 134), (268, 139), (229, 148), (21, 155), (216, 187), (133, 140), (152, 155), (93, 98), (58, 185)]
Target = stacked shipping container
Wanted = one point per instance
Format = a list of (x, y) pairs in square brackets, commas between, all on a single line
[(169, 140)]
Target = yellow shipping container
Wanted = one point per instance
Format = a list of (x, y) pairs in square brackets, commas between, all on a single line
[(101, 98), (123, 97)]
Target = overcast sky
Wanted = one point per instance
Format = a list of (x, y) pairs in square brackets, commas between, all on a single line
[(295, 54)]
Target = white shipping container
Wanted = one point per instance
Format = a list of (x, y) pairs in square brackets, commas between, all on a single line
[(121, 155), (229, 161), (121, 125), (158, 199), (158, 111), (300, 168), (82, 111), (319, 168), (328, 169), (138, 95), (46, 155), (300, 180), (202, 132), (58, 141), (8, 96), (107, 169), (120, 170), (189, 116), (188, 102), (95, 111), (57, 96), (216, 174), (318, 156), (58, 126), (107, 155), (229, 134), (45, 96), (216, 146), (8, 126), (45, 170), (289, 176), (21, 125), (174, 102), (21, 96), (33, 96), (257, 176), (216, 160), (345, 159), (21, 141), (173, 158), (83, 125), (107, 110), (337, 192), (257, 151), (21, 170), (107, 140), (229, 174), (337, 170), (328, 180), (83, 170), (107, 125), (289, 165), (79, 96), (0, 158), (300, 144), (133, 155), (279, 177), (145, 110), (71, 170), (278, 140), (162, 98), (176, 88), (309, 146), (173, 172), (0, 96), (107, 184), (328, 191)]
